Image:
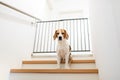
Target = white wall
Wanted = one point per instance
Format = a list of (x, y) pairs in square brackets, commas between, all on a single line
[(16, 40), (116, 8), (65, 9), (36, 8), (72, 14), (105, 27)]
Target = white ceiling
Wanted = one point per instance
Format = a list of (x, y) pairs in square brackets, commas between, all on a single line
[(67, 5)]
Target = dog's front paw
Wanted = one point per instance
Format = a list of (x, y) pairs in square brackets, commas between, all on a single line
[(67, 67), (58, 67)]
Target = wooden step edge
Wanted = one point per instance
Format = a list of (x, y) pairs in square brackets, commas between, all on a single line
[(54, 71), (54, 61)]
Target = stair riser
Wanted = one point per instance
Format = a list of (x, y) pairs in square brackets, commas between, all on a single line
[(53, 66), (54, 58), (45, 76)]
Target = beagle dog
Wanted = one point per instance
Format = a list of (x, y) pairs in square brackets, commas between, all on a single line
[(63, 48)]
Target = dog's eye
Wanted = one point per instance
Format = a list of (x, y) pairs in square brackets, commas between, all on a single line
[(57, 33), (62, 33)]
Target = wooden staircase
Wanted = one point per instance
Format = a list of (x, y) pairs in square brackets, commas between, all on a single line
[(37, 69)]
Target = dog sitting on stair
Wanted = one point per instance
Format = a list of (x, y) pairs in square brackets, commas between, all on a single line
[(63, 48)]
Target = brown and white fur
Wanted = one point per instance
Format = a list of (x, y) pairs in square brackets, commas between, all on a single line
[(63, 48)]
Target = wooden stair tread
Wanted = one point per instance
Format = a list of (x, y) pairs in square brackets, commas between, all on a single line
[(54, 61), (54, 70)]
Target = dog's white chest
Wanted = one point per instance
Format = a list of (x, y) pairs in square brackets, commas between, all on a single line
[(62, 50)]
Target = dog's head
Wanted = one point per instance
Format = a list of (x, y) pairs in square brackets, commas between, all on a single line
[(60, 34)]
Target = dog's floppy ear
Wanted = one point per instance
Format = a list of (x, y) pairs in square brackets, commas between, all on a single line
[(66, 34), (55, 35)]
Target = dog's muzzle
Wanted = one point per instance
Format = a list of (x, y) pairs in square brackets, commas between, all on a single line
[(60, 38)]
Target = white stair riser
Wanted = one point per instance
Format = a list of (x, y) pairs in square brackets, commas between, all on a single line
[(55, 58), (52, 56), (53, 76), (53, 66)]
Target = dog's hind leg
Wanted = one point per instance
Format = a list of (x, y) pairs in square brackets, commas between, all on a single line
[(70, 58)]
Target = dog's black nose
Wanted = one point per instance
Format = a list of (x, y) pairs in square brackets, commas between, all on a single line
[(60, 38)]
